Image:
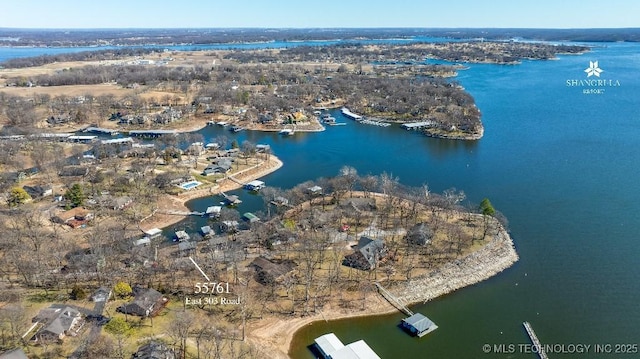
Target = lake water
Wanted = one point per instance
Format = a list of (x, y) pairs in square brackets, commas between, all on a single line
[(560, 164)]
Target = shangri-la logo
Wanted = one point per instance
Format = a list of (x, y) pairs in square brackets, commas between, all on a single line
[(593, 84), (593, 69)]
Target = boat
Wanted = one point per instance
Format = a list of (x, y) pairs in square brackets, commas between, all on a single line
[(223, 123), (328, 119), (237, 128), (211, 123), (286, 132)]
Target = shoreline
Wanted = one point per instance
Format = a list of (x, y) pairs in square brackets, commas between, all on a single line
[(161, 219), (493, 258)]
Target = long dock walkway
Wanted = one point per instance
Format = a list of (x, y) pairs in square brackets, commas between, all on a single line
[(233, 179), (534, 339), (393, 300)]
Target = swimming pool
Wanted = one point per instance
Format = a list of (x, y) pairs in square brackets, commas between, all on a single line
[(189, 185)]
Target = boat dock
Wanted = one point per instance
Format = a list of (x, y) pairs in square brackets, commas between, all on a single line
[(417, 125), (393, 300), (105, 131), (330, 347), (534, 339), (230, 200), (367, 121), (416, 323), (345, 111)]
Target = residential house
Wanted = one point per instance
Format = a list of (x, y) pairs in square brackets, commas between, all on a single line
[(228, 226), (367, 254), (261, 148), (217, 242), (101, 294), (187, 247), (73, 171), (74, 217), (154, 350), (58, 323), (216, 169), (268, 271), (359, 204), (38, 191), (420, 234), (196, 149), (147, 302)]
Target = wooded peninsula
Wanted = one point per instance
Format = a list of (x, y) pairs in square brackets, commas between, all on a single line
[(83, 248)]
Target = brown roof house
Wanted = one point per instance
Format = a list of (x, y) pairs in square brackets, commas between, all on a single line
[(367, 255), (268, 272), (147, 302), (58, 322), (75, 217)]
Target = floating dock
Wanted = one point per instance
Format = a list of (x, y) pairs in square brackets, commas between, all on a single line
[(105, 131), (151, 133), (417, 125), (418, 325), (535, 341), (345, 111)]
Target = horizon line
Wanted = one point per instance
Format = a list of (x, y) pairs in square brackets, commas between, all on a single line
[(318, 28)]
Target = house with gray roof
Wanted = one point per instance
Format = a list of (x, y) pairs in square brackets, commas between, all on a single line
[(58, 322), (419, 235), (154, 350), (368, 253), (17, 353), (147, 302)]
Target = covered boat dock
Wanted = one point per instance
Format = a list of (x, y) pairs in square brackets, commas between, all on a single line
[(330, 347), (418, 325)]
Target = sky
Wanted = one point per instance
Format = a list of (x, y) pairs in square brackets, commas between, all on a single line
[(319, 13)]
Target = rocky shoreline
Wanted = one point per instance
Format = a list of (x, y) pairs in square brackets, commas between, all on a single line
[(493, 258)]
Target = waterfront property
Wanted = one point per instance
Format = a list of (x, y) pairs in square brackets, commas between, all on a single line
[(182, 236), (230, 199), (105, 131), (418, 325), (254, 185), (213, 211), (250, 217), (330, 347), (189, 185), (151, 133), (417, 125), (367, 254), (345, 111)]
